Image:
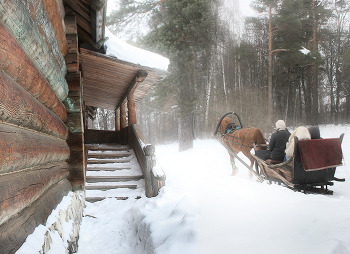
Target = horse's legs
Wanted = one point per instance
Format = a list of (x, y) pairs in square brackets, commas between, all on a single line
[(233, 164), (249, 156)]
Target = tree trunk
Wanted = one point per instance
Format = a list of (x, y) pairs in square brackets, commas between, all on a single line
[(186, 132), (314, 105), (269, 73)]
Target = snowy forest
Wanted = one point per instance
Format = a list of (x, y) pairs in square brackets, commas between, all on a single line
[(290, 61)]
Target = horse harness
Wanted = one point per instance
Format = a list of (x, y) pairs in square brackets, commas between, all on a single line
[(231, 132)]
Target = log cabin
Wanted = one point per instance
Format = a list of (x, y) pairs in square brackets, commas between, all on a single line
[(54, 72)]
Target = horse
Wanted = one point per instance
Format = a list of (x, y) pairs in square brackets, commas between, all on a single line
[(240, 140)]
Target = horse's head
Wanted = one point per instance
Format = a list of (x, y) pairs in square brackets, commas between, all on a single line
[(223, 125)]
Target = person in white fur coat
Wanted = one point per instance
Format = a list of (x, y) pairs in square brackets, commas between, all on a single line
[(302, 133)]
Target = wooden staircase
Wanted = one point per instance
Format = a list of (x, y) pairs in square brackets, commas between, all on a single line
[(113, 172)]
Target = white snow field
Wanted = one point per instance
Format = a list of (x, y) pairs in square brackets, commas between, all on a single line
[(202, 209)]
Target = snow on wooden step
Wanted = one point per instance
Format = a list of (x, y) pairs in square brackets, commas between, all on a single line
[(108, 169), (138, 183), (105, 161), (113, 172), (109, 187), (109, 155), (96, 199), (111, 193), (96, 179), (107, 147)]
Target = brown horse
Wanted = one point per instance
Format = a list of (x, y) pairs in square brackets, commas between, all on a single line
[(241, 140)]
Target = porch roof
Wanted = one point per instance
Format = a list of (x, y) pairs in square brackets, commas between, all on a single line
[(108, 80)]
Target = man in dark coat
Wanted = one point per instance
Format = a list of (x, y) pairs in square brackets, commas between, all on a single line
[(278, 141)]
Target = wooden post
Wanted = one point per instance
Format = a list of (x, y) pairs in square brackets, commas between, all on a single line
[(123, 116), (117, 125), (123, 133), (117, 119), (131, 109)]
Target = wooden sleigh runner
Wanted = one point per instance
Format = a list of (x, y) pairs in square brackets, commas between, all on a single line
[(310, 170)]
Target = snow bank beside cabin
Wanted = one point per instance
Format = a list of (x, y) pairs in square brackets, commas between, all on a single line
[(60, 234), (132, 54)]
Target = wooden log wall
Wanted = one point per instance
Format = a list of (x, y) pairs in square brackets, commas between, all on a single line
[(22, 188), (34, 151), (53, 10), (16, 17), (19, 226), (19, 108), (15, 63), (41, 19)]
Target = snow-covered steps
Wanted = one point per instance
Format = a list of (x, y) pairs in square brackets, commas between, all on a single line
[(111, 178), (113, 172)]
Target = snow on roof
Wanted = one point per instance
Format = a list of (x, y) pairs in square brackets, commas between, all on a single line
[(132, 54)]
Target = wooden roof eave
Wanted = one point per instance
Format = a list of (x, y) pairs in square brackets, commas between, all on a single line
[(119, 78), (91, 20)]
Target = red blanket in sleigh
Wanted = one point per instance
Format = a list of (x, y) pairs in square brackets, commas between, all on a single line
[(321, 153)]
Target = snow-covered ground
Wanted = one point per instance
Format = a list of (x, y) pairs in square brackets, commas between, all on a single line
[(203, 209)]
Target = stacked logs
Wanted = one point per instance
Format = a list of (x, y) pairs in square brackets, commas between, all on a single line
[(33, 148)]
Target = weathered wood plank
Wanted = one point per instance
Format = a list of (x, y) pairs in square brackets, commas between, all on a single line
[(20, 148), (20, 68), (71, 24), (20, 189), (100, 137), (77, 159), (20, 108), (75, 122), (52, 11), (83, 24), (14, 232), (74, 81), (75, 142), (81, 8), (97, 20), (72, 62), (29, 37), (72, 41)]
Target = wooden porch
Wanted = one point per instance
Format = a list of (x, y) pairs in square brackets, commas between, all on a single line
[(117, 85)]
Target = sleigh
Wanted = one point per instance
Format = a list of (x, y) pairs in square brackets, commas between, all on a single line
[(311, 169)]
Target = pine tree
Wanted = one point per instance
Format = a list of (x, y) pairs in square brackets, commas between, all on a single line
[(182, 30)]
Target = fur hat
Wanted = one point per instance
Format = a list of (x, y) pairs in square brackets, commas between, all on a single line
[(280, 125)]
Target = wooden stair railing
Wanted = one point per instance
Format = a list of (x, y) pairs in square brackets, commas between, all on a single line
[(154, 175)]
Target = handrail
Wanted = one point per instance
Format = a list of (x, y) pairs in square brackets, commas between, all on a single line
[(145, 153)]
